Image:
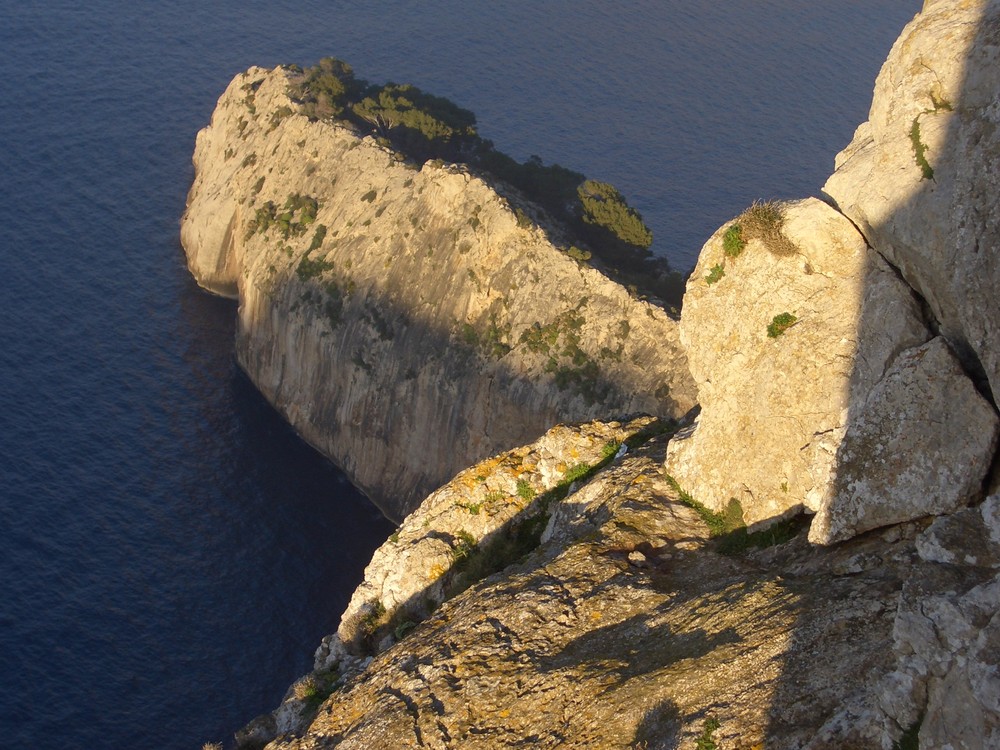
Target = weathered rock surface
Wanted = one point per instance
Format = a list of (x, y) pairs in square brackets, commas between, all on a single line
[(626, 628), (920, 177), (427, 328), (921, 444), (947, 636), (774, 410), (846, 413)]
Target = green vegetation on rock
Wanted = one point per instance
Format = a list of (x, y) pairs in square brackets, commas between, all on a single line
[(605, 207), (715, 274), (728, 529), (920, 151), (733, 242), (780, 323)]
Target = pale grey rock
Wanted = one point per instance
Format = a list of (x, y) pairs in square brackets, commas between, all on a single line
[(938, 88), (921, 444), (946, 636), (774, 410), (967, 537), (429, 329), (576, 646)]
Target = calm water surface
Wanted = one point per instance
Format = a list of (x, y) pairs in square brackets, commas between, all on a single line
[(171, 552)]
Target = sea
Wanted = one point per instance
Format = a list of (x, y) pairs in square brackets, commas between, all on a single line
[(171, 553)]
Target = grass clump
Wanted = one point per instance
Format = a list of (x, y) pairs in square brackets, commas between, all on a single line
[(577, 472), (728, 529), (762, 221), (715, 274), (315, 689), (780, 323), (372, 618), (462, 546), (610, 449), (706, 741), (525, 491)]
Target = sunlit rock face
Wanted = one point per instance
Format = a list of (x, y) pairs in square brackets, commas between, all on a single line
[(920, 178), (777, 402), (424, 327)]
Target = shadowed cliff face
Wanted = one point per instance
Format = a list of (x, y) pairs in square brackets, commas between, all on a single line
[(407, 323)]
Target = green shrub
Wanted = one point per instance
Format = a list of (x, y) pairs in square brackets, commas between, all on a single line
[(733, 242), (717, 272), (780, 323), (278, 115), (605, 207), (318, 237)]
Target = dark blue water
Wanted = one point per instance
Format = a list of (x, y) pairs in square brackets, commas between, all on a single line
[(171, 553)]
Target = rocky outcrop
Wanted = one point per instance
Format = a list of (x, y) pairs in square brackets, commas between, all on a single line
[(580, 591), (626, 627), (774, 409), (822, 379), (407, 320), (920, 178)]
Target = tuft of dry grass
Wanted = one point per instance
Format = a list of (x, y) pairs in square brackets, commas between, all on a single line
[(764, 221)]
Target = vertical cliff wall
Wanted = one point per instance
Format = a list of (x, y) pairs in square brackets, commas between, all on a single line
[(407, 320)]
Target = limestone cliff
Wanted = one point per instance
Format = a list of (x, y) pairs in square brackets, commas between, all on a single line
[(407, 320)]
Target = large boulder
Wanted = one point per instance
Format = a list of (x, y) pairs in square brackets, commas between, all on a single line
[(920, 445), (921, 177), (775, 408)]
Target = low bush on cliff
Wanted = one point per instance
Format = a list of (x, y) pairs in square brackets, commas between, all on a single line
[(764, 221), (780, 323)]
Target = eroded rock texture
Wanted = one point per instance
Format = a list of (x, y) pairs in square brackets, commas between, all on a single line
[(627, 628), (920, 177), (874, 402)]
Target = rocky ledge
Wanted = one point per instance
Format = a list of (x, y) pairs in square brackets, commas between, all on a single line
[(633, 625)]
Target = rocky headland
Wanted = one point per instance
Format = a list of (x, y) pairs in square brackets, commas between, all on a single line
[(810, 560)]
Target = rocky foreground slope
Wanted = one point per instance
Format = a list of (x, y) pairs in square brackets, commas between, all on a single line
[(599, 587)]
